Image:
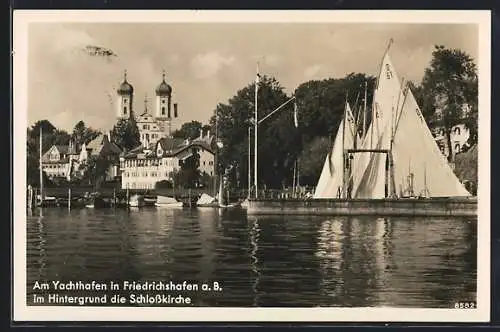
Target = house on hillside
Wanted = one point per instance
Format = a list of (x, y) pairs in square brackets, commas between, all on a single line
[(142, 167), (102, 147), (56, 161), (459, 136), (61, 160)]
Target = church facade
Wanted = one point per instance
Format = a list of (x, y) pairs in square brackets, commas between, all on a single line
[(152, 124), (160, 155)]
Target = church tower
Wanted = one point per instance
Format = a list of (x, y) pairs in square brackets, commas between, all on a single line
[(163, 112), (125, 99), (163, 99)]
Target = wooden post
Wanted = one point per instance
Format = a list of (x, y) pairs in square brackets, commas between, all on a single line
[(114, 197), (128, 198), (386, 175), (69, 198), (30, 197)]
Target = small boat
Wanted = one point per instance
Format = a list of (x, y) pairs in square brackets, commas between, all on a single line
[(47, 201), (230, 205), (136, 201), (150, 201), (166, 201), (244, 204), (206, 200), (94, 201)]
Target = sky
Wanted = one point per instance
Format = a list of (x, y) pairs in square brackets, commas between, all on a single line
[(207, 63)]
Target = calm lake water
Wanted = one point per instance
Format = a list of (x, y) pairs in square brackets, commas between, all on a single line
[(261, 261)]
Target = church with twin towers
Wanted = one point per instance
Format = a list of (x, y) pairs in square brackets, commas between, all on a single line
[(155, 124)]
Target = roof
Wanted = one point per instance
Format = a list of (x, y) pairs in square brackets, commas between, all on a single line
[(171, 143), (163, 89), (201, 144), (172, 147), (102, 146), (63, 149)]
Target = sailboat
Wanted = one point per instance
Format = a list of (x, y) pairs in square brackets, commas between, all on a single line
[(331, 180), (393, 152), (220, 197), (166, 201), (396, 159)]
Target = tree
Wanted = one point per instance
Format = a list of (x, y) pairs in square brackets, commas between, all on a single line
[(189, 175), (83, 134), (321, 104), (51, 136), (449, 87), (278, 139), (312, 159), (95, 169), (189, 130), (125, 134)]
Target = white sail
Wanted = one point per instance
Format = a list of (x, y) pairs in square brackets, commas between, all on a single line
[(331, 179), (165, 200), (368, 167), (220, 194), (205, 199), (420, 169)]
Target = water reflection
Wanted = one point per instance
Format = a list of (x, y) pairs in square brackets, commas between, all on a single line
[(262, 261), (254, 261)]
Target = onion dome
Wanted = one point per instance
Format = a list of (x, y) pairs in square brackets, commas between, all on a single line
[(125, 88), (163, 89)]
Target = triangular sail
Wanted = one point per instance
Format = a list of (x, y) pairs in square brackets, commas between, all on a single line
[(368, 167), (419, 166), (205, 199), (331, 179)]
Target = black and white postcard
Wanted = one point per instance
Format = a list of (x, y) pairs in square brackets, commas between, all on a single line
[(286, 166)]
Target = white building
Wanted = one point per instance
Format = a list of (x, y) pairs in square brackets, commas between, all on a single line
[(56, 161), (459, 136), (143, 167)]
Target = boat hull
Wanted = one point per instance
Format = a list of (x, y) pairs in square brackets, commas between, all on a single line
[(446, 207), (169, 205)]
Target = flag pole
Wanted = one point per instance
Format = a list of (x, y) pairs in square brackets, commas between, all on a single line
[(257, 81), (41, 171), (249, 161), (364, 111), (343, 150)]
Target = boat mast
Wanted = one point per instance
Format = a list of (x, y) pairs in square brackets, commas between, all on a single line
[(364, 111), (249, 162), (344, 157), (216, 157), (40, 168), (257, 81)]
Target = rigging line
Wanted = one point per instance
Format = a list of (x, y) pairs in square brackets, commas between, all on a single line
[(401, 111)]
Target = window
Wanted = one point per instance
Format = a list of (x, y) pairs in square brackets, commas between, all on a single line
[(124, 109), (163, 109), (457, 147), (210, 163), (203, 163), (144, 127), (125, 100), (163, 101), (457, 131)]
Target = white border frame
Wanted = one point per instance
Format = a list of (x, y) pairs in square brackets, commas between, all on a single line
[(22, 312)]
